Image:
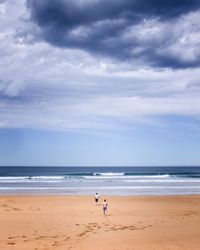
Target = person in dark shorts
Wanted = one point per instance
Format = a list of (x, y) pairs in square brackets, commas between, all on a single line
[(96, 198)]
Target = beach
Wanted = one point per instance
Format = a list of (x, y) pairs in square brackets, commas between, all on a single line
[(42, 222)]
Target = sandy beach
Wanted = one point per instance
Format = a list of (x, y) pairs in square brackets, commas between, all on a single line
[(75, 222)]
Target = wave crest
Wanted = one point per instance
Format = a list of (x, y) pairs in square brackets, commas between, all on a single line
[(108, 174)]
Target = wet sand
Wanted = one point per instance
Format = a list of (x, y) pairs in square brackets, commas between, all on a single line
[(75, 222)]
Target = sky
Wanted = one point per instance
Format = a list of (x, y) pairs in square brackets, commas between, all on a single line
[(99, 83)]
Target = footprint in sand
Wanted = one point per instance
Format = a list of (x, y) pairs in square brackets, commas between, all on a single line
[(55, 236), (16, 209), (11, 243)]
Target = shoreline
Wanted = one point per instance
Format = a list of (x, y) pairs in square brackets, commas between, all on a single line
[(92, 195)]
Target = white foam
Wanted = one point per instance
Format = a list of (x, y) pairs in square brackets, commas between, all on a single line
[(26, 179), (164, 181), (47, 177), (103, 188), (14, 177), (109, 174), (120, 176)]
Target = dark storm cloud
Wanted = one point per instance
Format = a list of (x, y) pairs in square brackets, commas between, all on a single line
[(69, 13), (108, 27)]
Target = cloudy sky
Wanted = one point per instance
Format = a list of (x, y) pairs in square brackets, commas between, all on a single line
[(97, 82)]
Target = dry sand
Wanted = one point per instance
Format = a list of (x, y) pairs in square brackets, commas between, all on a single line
[(75, 222)]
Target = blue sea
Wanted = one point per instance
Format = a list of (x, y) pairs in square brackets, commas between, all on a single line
[(104, 180)]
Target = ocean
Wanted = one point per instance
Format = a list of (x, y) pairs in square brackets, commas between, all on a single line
[(103, 180)]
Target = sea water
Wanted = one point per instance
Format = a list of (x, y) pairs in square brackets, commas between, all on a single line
[(103, 180)]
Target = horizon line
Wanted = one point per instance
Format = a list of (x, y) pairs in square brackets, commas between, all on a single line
[(96, 166)]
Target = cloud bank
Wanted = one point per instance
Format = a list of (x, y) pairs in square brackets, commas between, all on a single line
[(66, 66), (153, 33)]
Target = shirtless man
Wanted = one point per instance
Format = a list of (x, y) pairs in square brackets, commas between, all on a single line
[(105, 207)]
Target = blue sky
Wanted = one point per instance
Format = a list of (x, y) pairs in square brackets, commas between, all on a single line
[(117, 86)]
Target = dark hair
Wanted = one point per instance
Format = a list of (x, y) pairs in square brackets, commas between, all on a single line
[(104, 200)]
